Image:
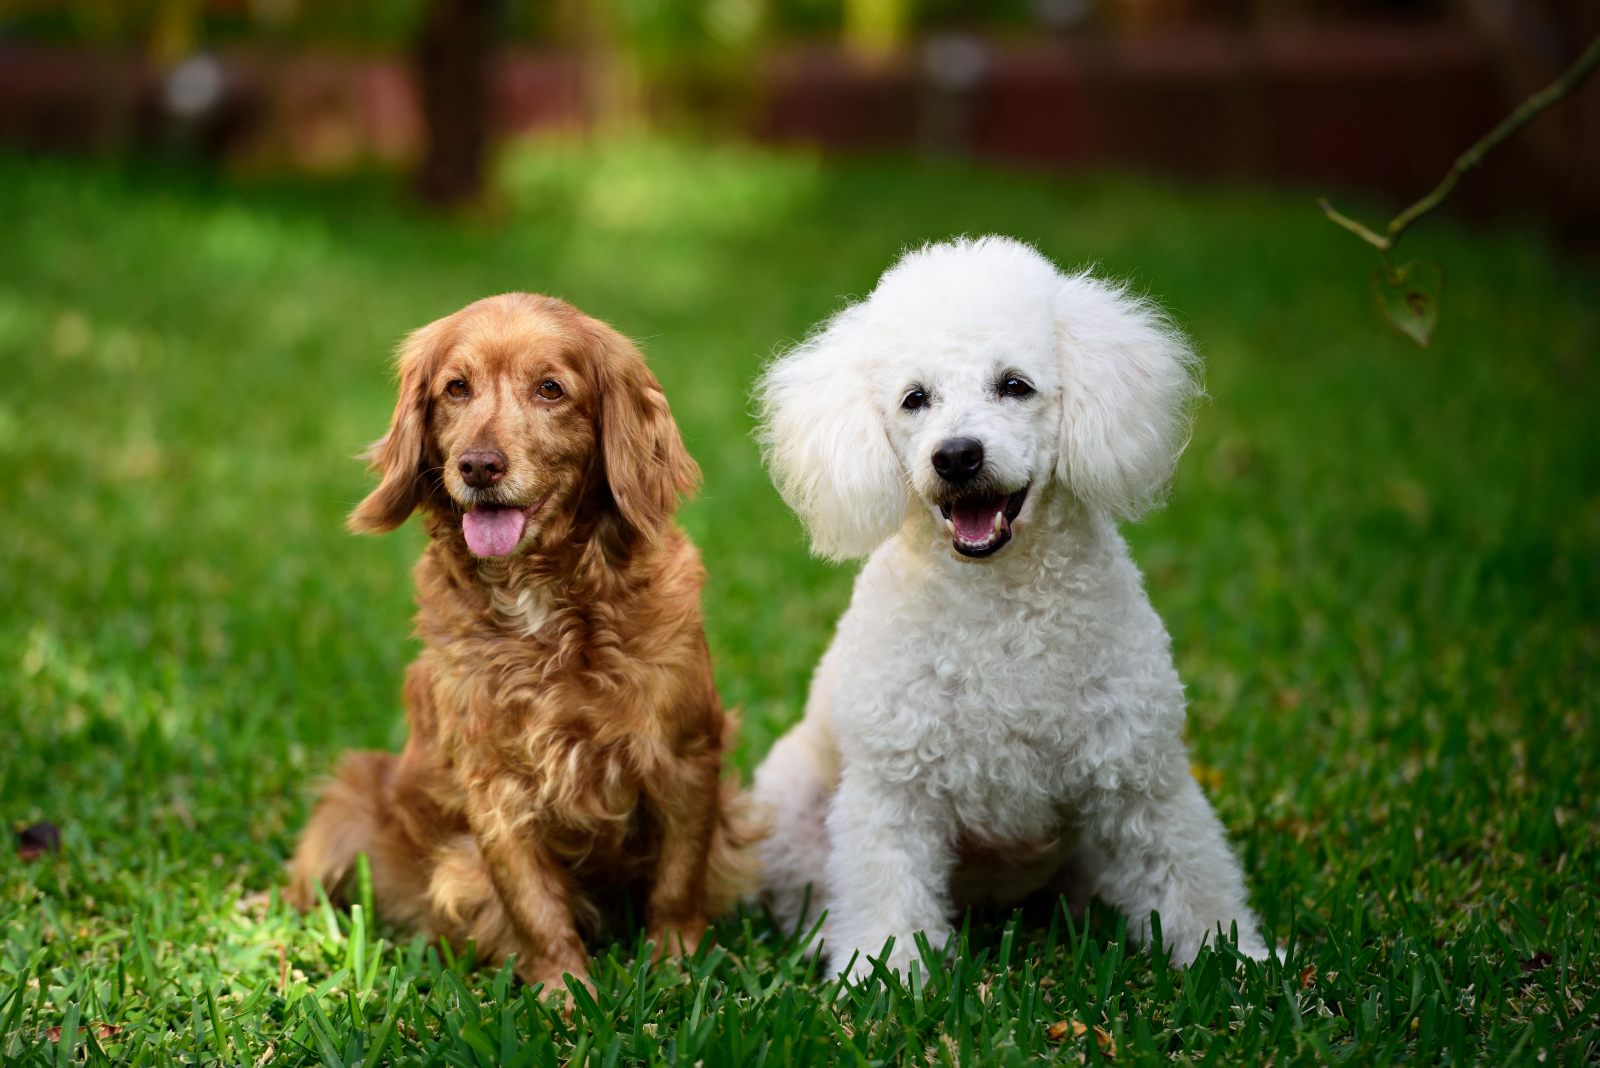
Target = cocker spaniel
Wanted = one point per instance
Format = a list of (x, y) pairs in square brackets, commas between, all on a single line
[(564, 760)]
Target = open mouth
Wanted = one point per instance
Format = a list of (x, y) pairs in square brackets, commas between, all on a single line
[(496, 529), (981, 525)]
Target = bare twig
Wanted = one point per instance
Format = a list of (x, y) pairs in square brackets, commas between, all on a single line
[(1360, 229), (1528, 110)]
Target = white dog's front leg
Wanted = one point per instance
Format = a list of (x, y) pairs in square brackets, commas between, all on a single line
[(792, 787), (888, 873), (1169, 855)]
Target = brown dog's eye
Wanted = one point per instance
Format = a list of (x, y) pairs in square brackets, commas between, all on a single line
[(458, 389), (550, 389), (1014, 386)]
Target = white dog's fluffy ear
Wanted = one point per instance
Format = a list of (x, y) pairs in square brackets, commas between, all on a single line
[(1128, 383), (825, 442)]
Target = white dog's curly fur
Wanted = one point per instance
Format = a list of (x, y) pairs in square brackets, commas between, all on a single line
[(983, 727)]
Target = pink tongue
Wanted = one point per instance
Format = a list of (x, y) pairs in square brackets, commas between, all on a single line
[(493, 531), (974, 518)]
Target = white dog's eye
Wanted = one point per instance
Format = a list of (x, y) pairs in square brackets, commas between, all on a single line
[(1015, 386), (915, 398)]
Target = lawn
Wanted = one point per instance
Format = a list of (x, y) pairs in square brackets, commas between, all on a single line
[(1380, 566)]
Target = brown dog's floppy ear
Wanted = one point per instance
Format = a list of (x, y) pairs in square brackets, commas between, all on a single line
[(398, 455), (646, 465)]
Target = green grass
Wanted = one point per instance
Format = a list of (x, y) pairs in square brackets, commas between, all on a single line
[(1380, 567)]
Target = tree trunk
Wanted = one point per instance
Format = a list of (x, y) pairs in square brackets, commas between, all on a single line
[(452, 64)]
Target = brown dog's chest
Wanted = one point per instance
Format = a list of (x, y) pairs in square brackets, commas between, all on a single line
[(567, 721), (557, 754)]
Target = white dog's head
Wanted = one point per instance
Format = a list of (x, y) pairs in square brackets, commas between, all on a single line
[(972, 379)]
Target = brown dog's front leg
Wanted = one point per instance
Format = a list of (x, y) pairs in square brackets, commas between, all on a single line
[(534, 887), (675, 912)]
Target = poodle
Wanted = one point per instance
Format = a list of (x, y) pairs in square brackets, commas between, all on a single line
[(998, 712)]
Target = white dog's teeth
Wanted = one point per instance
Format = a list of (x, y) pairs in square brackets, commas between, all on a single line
[(950, 525), (999, 521)]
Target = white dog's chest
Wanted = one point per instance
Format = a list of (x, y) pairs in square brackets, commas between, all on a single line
[(997, 740), (1005, 712)]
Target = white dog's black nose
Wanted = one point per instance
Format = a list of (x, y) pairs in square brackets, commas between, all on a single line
[(958, 460)]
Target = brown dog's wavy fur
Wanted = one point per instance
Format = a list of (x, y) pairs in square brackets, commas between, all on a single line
[(564, 763)]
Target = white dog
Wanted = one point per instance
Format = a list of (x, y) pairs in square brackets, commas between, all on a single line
[(999, 706)]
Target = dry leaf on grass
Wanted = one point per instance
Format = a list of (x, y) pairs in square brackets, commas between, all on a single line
[(1077, 1028), (1060, 1029)]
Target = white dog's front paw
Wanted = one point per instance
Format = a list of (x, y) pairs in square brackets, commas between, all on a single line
[(1252, 945), (858, 967), (1185, 948), (898, 960)]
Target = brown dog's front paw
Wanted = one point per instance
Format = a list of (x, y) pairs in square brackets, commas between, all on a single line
[(555, 990), (301, 892), (554, 978), (676, 939)]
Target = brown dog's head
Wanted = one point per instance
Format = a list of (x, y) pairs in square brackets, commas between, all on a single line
[(518, 409)]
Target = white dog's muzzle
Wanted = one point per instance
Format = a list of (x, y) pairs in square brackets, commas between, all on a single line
[(980, 522)]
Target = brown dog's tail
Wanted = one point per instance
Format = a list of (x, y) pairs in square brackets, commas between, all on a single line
[(347, 822), (733, 869)]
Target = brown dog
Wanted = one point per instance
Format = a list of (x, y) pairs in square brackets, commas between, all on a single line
[(565, 751)]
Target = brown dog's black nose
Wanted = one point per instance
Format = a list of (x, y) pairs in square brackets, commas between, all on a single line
[(957, 460), (482, 468)]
